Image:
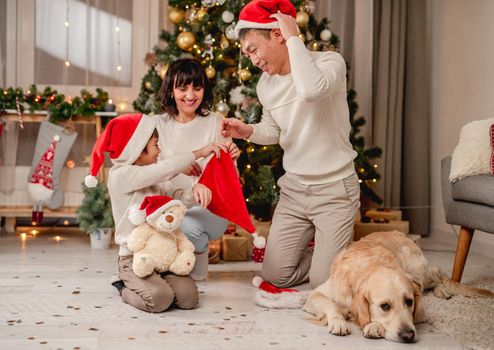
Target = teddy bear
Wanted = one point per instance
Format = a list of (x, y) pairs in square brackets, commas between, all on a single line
[(157, 242)]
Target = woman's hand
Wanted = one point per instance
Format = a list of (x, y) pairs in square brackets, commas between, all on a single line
[(233, 150), (202, 194)]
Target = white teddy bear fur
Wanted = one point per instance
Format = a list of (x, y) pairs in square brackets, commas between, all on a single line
[(472, 155), (160, 246)]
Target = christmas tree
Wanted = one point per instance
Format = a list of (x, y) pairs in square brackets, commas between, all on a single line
[(205, 30)]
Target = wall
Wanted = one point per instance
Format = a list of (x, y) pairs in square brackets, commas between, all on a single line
[(461, 50)]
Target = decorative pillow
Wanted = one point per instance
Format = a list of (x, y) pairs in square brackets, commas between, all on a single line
[(473, 154)]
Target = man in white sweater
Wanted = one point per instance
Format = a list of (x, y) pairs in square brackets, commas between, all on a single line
[(303, 94)]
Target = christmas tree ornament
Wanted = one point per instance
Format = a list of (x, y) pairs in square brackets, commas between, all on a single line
[(148, 85), (150, 59), (325, 34), (244, 74), (186, 40), (313, 46), (220, 2), (210, 72), (201, 14), (302, 18), (301, 36), (208, 3), (191, 14), (227, 16), (161, 69), (222, 108), (236, 96), (230, 32), (208, 42), (310, 6), (176, 15), (224, 42)]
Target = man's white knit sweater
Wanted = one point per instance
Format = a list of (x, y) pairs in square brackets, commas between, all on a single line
[(306, 112)]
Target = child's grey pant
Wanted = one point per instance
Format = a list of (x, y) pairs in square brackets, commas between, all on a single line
[(201, 226), (325, 212)]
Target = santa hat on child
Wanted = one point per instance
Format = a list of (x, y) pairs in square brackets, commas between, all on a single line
[(227, 200), (272, 297), (40, 185), (124, 138), (256, 14), (150, 208)]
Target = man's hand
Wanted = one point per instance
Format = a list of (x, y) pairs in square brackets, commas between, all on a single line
[(193, 170), (233, 149), (202, 194), (208, 149), (288, 25), (235, 128)]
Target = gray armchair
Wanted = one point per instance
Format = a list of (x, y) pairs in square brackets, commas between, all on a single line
[(468, 203)]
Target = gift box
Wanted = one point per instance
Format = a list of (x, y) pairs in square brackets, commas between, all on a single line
[(258, 254), (384, 213), (362, 229), (215, 251), (234, 248)]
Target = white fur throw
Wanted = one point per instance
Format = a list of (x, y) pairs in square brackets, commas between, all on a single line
[(472, 155)]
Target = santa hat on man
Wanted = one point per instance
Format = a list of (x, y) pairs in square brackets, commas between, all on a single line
[(124, 138), (150, 208), (227, 200), (256, 14)]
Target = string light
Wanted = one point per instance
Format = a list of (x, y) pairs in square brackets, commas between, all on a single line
[(248, 166), (67, 33), (117, 29)]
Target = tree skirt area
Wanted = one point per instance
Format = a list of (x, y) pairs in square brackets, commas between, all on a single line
[(469, 320)]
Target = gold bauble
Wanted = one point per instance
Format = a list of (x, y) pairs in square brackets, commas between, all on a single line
[(148, 85), (314, 46), (302, 18), (245, 74), (201, 13), (301, 36), (224, 43), (186, 40), (210, 72), (176, 15), (163, 71)]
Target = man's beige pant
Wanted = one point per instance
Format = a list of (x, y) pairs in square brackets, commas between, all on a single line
[(155, 293), (323, 212)]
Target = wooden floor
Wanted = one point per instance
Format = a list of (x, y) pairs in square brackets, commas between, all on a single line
[(55, 294)]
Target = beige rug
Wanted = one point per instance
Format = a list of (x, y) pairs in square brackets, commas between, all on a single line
[(469, 320)]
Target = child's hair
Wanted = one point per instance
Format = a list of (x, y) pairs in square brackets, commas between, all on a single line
[(180, 73), (155, 135)]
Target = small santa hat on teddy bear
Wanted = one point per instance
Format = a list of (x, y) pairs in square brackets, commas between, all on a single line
[(150, 208)]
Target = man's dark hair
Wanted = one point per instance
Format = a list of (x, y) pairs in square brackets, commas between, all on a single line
[(180, 73), (243, 32)]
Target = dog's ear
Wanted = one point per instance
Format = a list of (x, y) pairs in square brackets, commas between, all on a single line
[(418, 311), (360, 309)]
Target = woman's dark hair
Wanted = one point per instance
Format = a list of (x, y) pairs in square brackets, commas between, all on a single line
[(180, 73)]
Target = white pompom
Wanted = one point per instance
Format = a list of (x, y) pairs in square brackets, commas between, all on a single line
[(136, 216), (259, 241), (91, 181), (256, 281), (325, 34)]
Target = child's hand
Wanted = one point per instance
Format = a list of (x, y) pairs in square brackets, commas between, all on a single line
[(233, 149), (202, 194), (208, 149), (193, 170)]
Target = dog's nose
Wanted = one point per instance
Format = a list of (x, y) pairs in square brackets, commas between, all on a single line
[(169, 218), (407, 335)]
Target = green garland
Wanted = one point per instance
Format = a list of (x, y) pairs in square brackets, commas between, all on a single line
[(58, 105)]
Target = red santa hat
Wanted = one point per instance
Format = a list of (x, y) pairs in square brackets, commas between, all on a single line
[(40, 185), (124, 138), (272, 297), (227, 200), (150, 208), (256, 14)]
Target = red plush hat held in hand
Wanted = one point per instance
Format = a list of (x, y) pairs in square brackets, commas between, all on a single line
[(220, 176)]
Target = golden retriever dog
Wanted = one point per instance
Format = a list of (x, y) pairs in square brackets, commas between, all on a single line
[(377, 282)]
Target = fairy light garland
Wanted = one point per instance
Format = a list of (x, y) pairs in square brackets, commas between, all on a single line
[(67, 32)]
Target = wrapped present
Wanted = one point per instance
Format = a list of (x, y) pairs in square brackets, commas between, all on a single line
[(231, 229), (362, 229), (215, 251), (234, 248), (384, 213), (258, 254)]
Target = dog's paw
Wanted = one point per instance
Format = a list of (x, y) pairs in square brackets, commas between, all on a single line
[(374, 330), (442, 292), (337, 326)]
